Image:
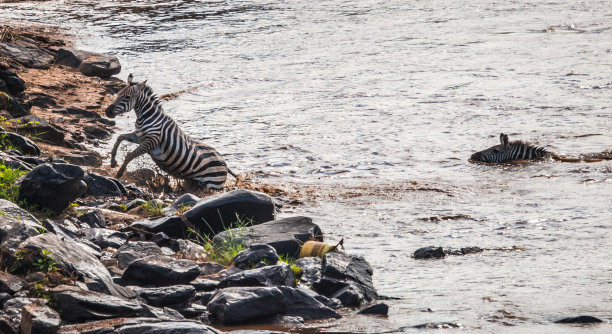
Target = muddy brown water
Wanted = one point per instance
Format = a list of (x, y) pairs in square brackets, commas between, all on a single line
[(371, 108)]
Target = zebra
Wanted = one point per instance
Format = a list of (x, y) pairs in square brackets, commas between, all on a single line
[(509, 151), (158, 135)]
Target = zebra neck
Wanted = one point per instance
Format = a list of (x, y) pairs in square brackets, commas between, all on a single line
[(147, 106)]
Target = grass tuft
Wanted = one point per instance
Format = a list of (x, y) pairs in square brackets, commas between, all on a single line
[(8, 175), (153, 209)]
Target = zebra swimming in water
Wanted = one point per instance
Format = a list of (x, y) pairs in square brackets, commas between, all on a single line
[(158, 135), (509, 151)]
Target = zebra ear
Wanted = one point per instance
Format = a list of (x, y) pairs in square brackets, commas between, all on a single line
[(130, 79), (503, 139)]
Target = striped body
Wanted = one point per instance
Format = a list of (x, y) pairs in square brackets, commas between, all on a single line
[(158, 135), (510, 151)]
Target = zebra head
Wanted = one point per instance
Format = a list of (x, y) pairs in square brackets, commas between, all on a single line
[(494, 153), (126, 98)]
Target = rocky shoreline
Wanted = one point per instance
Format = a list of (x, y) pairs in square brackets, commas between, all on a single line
[(82, 252)]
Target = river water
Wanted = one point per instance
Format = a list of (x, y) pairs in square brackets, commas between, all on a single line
[(370, 109)]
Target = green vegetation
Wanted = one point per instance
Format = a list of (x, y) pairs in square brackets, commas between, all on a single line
[(297, 270), (29, 260), (225, 251), (8, 175), (153, 209)]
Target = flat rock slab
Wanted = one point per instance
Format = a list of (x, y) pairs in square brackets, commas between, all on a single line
[(165, 296), (218, 213), (175, 327), (76, 304), (347, 278), (277, 275), (286, 235), (135, 250), (161, 271), (73, 257), (233, 306), (39, 319)]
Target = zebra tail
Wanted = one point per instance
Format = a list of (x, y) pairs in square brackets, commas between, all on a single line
[(229, 171)]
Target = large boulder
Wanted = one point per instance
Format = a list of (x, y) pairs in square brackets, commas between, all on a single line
[(103, 66), (52, 186), (76, 304), (218, 213), (21, 143), (257, 255), (276, 275), (161, 271), (72, 257), (286, 235), (347, 278), (39, 319), (234, 306), (135, 250)]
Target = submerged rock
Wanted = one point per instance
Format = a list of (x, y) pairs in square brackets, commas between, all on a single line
[(377, 309), (581, 319), (347, 278), (430, 252), (53, 186), (76, 304), (285, 235), (218, 213), (161, 271)]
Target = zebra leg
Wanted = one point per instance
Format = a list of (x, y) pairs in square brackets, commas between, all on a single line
[(143, 148), (131, 137)]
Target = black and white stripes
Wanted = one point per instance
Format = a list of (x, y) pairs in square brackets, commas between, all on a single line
[(159, 136), (510, 151)]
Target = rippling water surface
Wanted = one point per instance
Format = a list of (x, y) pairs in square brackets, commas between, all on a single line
[(372, 108)]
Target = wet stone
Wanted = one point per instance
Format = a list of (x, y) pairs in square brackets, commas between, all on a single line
[(210, 268), (240, 305), (582, 319), (175, 327), (103, 186), (430, 252), (21, 143), (302, 304), (103, 66), (377, 309)]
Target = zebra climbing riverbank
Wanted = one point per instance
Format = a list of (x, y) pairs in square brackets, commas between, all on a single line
[(508, 151), (158, 135)]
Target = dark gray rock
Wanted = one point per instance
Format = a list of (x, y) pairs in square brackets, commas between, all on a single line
[(105, 238), (76, 304), (135, 250), (276, 275), (166, 296), (13, 105), (175, 327), (311, 270), (162, 313), (10, 283), (28, 56), (3, 298), (72, 57), (209, 268), (203, 297), (86, 159), (21, 143), (13, 233), (103, 66), (98, 185), (52, 186), (430, 252), (256, 255), (286, 235), (185, 201), (96, 132), (203, 284), (347, 278), (173, 226), (302, 304), (41, 128), (10, 315), (73, 257), (217, 213), (93, 218), (13, 82), (463, 251), (161, 271), (437, 325), (581, 319), (39, 319), (60, 230), (233, 306), (377, 309), (163, 240)]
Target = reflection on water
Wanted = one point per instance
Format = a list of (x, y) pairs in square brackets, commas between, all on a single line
[(369, 110)]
